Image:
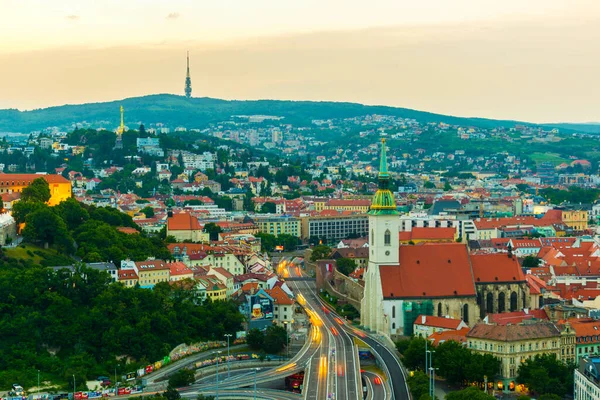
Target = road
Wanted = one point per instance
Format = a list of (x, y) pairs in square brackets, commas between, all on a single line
[(376, 388), (267, 394), (391, 364), (343, 377)]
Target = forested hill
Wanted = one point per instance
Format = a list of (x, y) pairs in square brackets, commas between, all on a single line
[(175, 110)]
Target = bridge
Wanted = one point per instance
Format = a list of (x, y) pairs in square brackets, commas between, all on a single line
[(300, 279)]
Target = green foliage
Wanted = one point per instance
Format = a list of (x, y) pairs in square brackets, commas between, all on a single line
[(418, 384), (545, 374), (549, 396), (470, 393), (38, 190), (402, 345), (255, 339), (148, 211), (86, 322), (45, 227), (414, 355), (268, 241), (171, 393), (573, 195), (181, 378), (530, 262), (447, 187), (346, 265), (271, 341), (523, 398), (320, 252), (204, 397), (429, 185), (213, 230), (268, 208)]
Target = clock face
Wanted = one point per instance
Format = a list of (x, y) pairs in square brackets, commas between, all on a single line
[(387, 253)]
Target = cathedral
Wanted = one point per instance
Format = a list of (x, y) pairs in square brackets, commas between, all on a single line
[(442, 279)]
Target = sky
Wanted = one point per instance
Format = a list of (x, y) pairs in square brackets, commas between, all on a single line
[(533, 60)]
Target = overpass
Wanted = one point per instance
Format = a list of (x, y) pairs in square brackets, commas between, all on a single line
[(300, 279)]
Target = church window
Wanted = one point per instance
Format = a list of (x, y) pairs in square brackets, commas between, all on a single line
[(393, 311), (439, 309), (387, 238), (466, 313), (501, 302), (513, 301)]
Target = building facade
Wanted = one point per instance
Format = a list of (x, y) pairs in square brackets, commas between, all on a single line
[(587, 379), (335, 228), (279, 225), (60, 187)]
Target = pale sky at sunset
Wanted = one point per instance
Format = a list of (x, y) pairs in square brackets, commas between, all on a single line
[(534, 60)]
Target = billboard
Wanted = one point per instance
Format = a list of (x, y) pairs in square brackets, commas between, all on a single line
[(261, 308)]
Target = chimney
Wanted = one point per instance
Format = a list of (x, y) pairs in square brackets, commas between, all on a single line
[(423, 319), (526, 310), (510, 254)]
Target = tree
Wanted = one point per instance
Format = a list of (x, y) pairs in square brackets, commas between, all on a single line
[(38, 190), (255, 339), (346, 265), (418, 384), (181, 378), (268, 208), (275, 339), (429, 185), (414, 356), (320, 252), (72, 213), (545, 374), (213, 230), (147, 211), (530, 262), (470, 393), (46, 227), (549, 396), (447, 187), (171, 393)]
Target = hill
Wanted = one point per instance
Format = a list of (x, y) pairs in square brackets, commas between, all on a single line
[(198, 112)]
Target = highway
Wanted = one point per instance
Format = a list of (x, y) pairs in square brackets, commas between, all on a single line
[(343, 376), (267, 394)]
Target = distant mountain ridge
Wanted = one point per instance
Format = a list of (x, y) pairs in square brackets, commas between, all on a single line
[(174, 111)]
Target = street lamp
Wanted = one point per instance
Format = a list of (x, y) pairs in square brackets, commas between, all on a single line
[(116, 386), (287, 339), (428, 367), (218, 356), (73, 385), (433, 381), (228, 335), (38, 387), (255, 371)]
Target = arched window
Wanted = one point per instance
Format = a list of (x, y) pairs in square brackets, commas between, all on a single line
[(393, 311), (513, 301), (439, 309), (466, 313), (501, 302), (387, 238), (372, 237), (489, 306)]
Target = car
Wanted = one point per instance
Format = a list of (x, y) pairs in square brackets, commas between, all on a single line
[(377, 380), (106, 383)]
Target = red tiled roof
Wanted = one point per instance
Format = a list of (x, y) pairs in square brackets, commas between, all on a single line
[(535, 284), (496, 268), (427, 271), (418, 233), (517, 317), (586, 327), (280, 296), (507, 333), (126, 274), (179, 268), (183, 222), (127, 229), (151, 265), (459, 336), (438, 322), (28, 178)]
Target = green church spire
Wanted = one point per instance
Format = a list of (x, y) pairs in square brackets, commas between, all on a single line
[(383, 202)]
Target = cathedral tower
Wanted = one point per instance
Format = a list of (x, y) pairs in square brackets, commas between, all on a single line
[(383, 248)]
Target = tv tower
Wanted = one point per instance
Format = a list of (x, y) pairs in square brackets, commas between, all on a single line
[(188, 79)]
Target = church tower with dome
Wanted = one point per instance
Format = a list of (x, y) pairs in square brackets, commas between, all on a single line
[(383, 249)]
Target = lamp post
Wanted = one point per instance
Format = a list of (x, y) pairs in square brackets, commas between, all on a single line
[(433, 381), (38, 386), (255, 371), (218, 356), (426, 355), (428, 368), (287, 340), (116, 385), (74, 386), (228, 335)]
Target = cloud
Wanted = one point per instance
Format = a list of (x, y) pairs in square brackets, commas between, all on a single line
[(72, 17), (173, 15)]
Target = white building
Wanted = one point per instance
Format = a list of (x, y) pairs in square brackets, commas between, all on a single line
[(587, 379)]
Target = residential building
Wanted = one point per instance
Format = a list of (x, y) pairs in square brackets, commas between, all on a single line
[(151, 272), (283, 305), (576, 219), (185, 227), (427, 325), (225, 277), (587, 333), (333, 228), (60, 187), (356, 205), (431, 235), (178, 271), (513, 344), (587, 379), (128, 277), (277, 225)]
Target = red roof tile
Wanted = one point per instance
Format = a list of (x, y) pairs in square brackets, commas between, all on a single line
[(427, 271), (496, 268), (183, 222), (438, 322)]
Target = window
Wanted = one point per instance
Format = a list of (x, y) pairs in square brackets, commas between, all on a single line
[(393, 311), (372, 237), (387, 238)]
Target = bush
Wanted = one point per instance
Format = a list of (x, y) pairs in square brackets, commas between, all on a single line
[(181, 378)]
